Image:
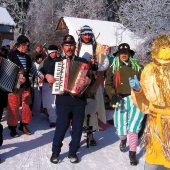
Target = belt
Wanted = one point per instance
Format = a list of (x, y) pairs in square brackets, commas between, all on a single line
[(123, 95)]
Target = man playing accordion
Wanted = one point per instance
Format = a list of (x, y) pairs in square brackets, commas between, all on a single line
[(69, 107), (22, 95)]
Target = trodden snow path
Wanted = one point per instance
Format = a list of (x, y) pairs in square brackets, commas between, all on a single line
[(33, 152)]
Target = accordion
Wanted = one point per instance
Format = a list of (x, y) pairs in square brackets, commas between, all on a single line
[(68, 74), (8, 75)]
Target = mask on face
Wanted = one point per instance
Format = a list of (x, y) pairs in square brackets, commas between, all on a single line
[(164, 53)]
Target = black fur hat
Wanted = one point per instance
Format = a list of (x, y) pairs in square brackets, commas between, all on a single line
[(22, 39)]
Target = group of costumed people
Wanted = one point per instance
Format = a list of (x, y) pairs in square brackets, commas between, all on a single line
[(133, 91), (152, 96)]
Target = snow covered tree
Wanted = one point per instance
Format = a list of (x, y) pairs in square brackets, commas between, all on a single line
[(112, 9), (41, 20), (91, 9), (18, 10), (147, 18), (43, 15)]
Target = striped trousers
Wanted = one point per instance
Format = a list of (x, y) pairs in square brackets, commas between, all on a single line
[(127, 118)]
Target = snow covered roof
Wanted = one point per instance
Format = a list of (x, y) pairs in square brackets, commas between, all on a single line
[(5, 18), (108, 33)]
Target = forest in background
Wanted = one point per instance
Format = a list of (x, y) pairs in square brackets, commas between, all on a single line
[(38, 18)]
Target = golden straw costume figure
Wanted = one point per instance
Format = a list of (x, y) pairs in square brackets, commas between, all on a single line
[(154, 98)]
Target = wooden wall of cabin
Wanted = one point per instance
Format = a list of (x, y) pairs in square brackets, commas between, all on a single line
[(6, 35), (57, 38)]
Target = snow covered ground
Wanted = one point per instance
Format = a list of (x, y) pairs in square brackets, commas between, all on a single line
[(33, 152)]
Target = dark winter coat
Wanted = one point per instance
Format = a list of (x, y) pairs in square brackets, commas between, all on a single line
[(48, 67), (1, 134), (13, 56), (3, 98)]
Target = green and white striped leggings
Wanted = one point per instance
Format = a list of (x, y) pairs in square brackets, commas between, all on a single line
[(127, 118)]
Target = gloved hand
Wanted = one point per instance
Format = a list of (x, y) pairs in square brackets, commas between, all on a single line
[(134, 83)]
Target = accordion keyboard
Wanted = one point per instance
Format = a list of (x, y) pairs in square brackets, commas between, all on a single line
[(68, 75), (59, 75)]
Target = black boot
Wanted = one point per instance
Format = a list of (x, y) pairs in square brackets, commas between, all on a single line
[(24, 129), (132, 157), (92, 141), (1, 113), (73, 158), (1, 134), (13, 131), (54, 158), (122, 145)]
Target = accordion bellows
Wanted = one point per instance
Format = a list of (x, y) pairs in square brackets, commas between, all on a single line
[(68, 74), (8, 75)]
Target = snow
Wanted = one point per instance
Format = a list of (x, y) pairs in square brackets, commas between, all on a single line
[(33, 152), (5, 18), (111, 33)]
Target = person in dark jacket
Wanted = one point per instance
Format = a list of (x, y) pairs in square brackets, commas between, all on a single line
[(1, 137), (3, 95), (68, 108), (127, 118), (47, 96), (22, 95), (1, 127)]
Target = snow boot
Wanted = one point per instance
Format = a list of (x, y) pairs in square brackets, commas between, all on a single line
[(13, 131), (54, 158), (1, 134), (24, 129), (92, 141), (132, 157), (73, 158), (122, 145)]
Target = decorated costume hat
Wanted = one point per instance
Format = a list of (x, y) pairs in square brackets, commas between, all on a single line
[(160, 47), (124, 48), (69, 39), (86, 30)]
